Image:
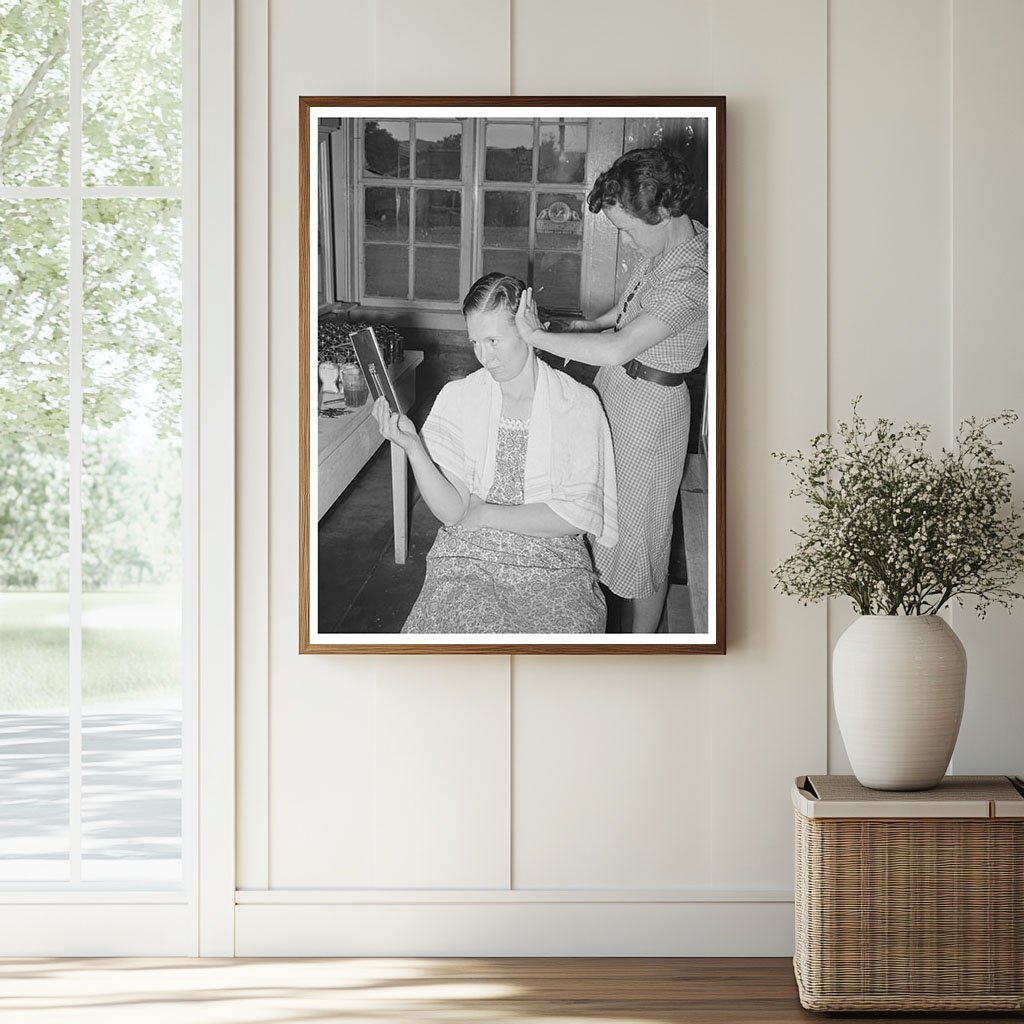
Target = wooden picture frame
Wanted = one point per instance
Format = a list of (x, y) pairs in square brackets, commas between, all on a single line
[(412, 198)]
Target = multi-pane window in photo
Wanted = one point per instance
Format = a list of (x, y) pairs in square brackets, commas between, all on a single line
[(530, 230), (412, 229), (438, 150), (562, 153), (524, 217), (509, 151)]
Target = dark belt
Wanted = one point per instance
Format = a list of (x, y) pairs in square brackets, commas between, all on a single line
[(634, 368)]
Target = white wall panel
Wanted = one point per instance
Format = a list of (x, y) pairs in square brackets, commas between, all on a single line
[(442, 48), (889, 246), (611, 755), (988, 331), (442, 773), (579, 48), (323, 777), (612, 781), (320, 808), (323, 810), (769, 692), (889, 209), (846, 274)]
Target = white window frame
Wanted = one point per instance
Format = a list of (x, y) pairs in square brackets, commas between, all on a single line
[(327, 274), (598, 253), (75, 918), (466, 186), (533, 188)]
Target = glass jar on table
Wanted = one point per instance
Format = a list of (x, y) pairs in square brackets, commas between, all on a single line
[(353, 385)]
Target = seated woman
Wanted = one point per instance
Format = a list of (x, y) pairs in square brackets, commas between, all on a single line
[(516, 461)]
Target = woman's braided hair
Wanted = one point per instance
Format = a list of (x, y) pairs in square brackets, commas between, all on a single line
[(493, 291), (643, 182)]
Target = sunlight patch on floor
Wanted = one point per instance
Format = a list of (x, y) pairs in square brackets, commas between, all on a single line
[(221, 991)]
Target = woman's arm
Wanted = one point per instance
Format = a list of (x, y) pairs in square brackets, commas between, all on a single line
[(605, 321), (536, 519), (589, 347), (448, 499)]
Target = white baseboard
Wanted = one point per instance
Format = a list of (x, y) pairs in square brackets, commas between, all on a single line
[(503, 928), (97, 929)]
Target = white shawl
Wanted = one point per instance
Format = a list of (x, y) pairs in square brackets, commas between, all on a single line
[(569, 461)]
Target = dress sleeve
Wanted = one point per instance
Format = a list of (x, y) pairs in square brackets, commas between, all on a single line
[(680, 299), (443, 432)]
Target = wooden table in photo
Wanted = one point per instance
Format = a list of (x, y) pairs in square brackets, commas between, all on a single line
[(347, 442)]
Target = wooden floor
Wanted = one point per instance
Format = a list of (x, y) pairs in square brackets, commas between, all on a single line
[(382, 991)]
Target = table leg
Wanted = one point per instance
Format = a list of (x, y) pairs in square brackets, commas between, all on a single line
[(400, 501)]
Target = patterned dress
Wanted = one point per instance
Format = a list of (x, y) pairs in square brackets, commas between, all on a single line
[(496, 581), (650, 422)]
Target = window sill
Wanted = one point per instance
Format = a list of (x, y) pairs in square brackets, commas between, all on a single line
[(404, 316)]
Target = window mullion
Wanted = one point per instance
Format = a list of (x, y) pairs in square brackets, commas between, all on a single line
[(411, 285), (473, 181), (536, 151), (411, 293), (75, 334)]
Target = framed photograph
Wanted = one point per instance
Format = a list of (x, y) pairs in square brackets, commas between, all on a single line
[(538, 283)]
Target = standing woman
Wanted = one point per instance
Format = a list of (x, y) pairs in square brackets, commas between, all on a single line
[(656, 332)]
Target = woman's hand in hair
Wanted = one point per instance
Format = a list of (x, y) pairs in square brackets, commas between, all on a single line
[(528, 321), (394, 427)]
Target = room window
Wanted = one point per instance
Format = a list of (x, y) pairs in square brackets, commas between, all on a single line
[(94, 449), (534, 198), (441, 202), (412, 185)]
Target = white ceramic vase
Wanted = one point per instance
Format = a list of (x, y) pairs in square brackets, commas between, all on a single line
[(898, 685)]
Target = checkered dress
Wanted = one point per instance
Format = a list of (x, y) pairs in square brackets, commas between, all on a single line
[(650, 423)]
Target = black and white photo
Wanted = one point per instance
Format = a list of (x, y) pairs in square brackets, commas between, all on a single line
[(544, 282)]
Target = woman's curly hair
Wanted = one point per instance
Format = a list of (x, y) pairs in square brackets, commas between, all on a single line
[(643, 182)]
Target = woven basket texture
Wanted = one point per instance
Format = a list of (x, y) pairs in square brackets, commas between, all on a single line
[(911, 914)]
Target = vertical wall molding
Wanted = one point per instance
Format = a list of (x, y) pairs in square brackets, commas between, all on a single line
[(216, 478), (253, 393)]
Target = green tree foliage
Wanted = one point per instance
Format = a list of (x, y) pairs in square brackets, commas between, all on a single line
[(131, 511), (33, 92), (34, 321), (131, 302), (131, 92), (33, 515), (132, 313)]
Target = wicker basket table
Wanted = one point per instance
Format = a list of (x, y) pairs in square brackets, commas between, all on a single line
[(910, 901)]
